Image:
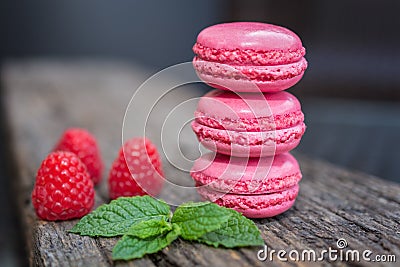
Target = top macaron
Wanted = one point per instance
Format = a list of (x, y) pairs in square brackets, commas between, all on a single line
[(249, 57)]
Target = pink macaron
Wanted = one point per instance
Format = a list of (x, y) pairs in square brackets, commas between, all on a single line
[(249, 57), (249, 124), (257, 187)]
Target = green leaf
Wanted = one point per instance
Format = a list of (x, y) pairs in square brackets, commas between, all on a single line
[(196, 219), (131, 247), (117, 217), (150, 228), (238, 231)]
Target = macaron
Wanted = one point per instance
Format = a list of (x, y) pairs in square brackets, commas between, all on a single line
[(258, 187), (249, 124), (249, 57)]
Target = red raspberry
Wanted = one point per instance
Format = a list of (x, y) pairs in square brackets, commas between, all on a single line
[(84, 145), (63, 188), (140, 174)]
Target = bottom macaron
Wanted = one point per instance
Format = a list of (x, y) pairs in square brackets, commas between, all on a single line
[(256, 187), (252, 176), (253, 206)]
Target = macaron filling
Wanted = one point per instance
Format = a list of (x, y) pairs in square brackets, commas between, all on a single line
[(248, 56), (243, 187), (250, 202), (280, 136), (250, 72), (276, 122)]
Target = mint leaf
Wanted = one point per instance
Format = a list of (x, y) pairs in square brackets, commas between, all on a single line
[(150, 228), (147, 227), (117, 217), (238, 231), (131, 247), (196, 219)]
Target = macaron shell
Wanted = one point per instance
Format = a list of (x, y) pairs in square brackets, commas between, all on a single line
[(249, 35), (246, 176), (254, 206), (249, 144)]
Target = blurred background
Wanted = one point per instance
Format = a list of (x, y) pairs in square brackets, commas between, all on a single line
[(350, 93)]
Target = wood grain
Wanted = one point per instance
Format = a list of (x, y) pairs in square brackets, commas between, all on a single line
[(44, 98)]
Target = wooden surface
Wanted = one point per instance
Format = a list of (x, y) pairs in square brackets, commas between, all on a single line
[(43, 98)]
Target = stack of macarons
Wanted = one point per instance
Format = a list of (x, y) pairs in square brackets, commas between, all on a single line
[(249, 122)]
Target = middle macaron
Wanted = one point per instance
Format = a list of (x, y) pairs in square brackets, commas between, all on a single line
[(249, 124)]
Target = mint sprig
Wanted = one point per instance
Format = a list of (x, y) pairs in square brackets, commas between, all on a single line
[(116, 218), (147, 227)]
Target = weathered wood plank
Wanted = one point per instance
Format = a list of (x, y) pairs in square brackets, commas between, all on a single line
[(64, 107), (43, 98)]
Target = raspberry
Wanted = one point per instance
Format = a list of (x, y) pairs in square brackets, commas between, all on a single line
[(137, 170), (63, 188), (84, 145)]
